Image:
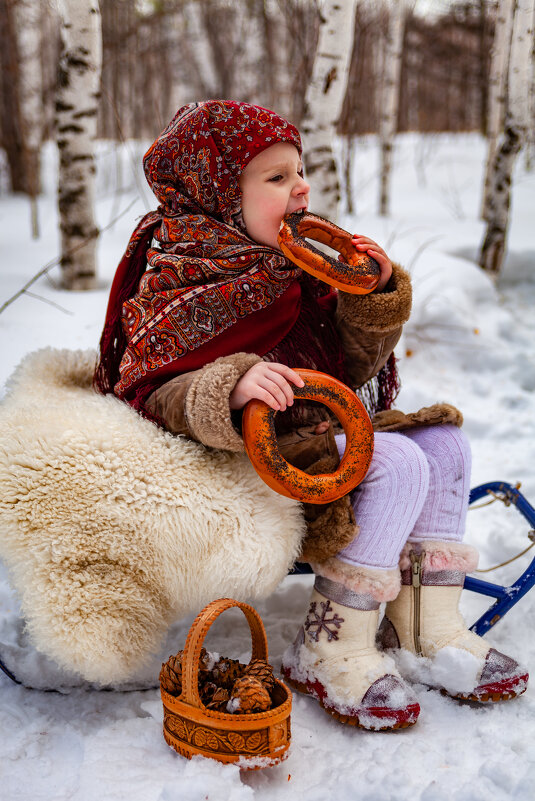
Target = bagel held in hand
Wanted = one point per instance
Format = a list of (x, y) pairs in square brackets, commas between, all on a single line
[(261, 443), (366, 245)]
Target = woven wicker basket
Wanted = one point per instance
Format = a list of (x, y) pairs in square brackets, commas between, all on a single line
[(190, 728)]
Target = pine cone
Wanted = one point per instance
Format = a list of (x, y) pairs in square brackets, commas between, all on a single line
[(206, 691), (219, 700), (171, 674), (249, 695), (260, 669), (226, 671), (205, 665)]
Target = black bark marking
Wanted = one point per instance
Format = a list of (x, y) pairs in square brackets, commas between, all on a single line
[(72, 230), (63, 75), (329, 78), (68, 199), (61, 106), (88, 113), (74, 129), (78, 62)]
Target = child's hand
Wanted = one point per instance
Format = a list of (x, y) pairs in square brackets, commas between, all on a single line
[(363, 243), (269, 382)]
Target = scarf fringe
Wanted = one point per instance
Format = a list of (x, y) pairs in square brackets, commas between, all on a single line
[(380, 392), (113, 341)]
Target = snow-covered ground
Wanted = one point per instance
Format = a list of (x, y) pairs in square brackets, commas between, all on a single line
[(468, 343)]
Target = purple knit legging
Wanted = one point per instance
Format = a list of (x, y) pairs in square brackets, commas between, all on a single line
[(417, 488)]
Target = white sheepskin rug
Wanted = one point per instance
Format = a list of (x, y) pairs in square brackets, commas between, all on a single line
[(112, 529)]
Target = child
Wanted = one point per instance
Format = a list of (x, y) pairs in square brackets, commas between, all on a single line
[(205, 313)]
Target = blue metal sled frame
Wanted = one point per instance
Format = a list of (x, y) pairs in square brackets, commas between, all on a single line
[(506, 597)]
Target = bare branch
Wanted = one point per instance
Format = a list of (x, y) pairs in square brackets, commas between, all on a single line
[(54, 262), (50, 302)]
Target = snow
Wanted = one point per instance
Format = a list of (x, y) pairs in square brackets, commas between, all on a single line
[(453, 669), (469, 343)]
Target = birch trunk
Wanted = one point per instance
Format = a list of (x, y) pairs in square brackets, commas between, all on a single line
[(10, 108), (389, 105), (500, 54), (276, 47), (76, 127), (511, 141), (27, 15), (323, 104), (197, 52), (530, 144), (414, 66)]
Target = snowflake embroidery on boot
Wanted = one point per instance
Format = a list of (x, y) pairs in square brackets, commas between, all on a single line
[(315, 622)]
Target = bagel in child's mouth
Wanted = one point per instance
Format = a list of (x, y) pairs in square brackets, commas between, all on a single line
[(358, 274)]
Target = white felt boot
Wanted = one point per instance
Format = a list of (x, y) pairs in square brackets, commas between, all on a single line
[(334, 658), (425, 621)]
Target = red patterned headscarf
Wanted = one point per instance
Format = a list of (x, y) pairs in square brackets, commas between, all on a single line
[(191, 278), (192, 286)]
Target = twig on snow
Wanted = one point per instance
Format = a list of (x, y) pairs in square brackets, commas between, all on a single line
[(421, 249), (46, 300)]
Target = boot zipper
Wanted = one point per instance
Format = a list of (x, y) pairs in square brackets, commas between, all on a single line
[(416, 571)]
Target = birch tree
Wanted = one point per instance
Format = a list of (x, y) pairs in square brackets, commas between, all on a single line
[(323, 102), (512, 139), (276, 47), (530, 144), (27, 14), (10, 124), (500, 53), (76, 126), (389, 95)]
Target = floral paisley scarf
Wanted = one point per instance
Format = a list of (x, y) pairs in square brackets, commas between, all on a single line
[(192, 285)]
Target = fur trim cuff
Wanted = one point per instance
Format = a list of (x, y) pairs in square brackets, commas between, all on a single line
[(383, 585), (207, 402), (441, 555), (437, 415), (383, 311), (330, 528)]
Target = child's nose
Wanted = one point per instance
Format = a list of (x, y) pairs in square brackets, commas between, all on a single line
[(301, 187)]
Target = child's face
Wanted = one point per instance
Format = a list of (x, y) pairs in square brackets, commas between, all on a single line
[(272, 186)]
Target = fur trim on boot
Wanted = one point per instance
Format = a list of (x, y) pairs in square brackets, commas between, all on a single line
[(334, 659), (383, 585), (441, 555), (429, 636)]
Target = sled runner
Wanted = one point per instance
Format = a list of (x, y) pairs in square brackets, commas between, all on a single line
[(506, 597)]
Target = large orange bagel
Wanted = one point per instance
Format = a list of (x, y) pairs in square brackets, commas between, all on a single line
[(358, 276), (261, 444)]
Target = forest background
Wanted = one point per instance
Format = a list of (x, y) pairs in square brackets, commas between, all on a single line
[(160, 54), (80, 70)]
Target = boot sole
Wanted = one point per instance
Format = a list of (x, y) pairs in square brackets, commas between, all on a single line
[(403, 717), (504, 690)]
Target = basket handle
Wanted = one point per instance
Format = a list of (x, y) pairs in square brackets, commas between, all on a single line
[(195, 640)]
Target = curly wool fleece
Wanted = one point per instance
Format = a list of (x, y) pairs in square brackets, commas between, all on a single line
[(112, 529)]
